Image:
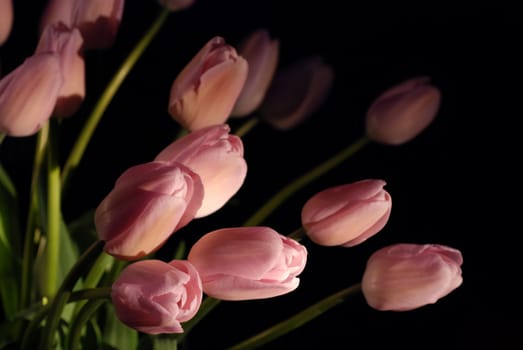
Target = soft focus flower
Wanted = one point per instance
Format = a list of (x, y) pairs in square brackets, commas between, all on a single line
[(176, 5), (28, 94), (205, 91), (247, 263), (153, 297), (403, 277), (261, 53), (97, 20), (297, 92), (403, 111), (67, 44), (348, 214), (217, 157), (6, 19), (147, 204)]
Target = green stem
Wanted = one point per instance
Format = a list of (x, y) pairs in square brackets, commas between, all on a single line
[(64, 292), (207, 305), (247, 126), (298, 319), (29, 238), (304, 180), (90, 293), (79, 148), (297, 234), (85, 313), (53, 214)]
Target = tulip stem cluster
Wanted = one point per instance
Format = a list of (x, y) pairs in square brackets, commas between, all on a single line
[(98, 111), (279, 197)]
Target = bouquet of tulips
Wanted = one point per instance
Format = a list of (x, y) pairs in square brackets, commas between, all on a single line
[(99, 282)]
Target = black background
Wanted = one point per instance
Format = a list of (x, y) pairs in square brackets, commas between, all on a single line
[(451, 185)]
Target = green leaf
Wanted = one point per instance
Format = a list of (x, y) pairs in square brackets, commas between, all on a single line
[(116, 334), (9, 245)]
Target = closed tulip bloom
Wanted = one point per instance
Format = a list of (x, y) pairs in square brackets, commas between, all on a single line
[(148, 203), (98, 21), (6, 19), (403, 277), (28, 95), (402, 112), (261, 53), (67, 44), (247, 263), (297, 92), (176, 5), (217, 157), (57, 11), (205, 91), (347, 215), (154, 297)]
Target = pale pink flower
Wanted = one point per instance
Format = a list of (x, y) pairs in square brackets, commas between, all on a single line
[(402, 112), (154, 297), (97, 20), (217, 157), (403, 277), (28, 94), (6, 19), (246, 263), (205, 91), (148, 203), (67, 44), (261, 53), (297, 92), (348, 214)]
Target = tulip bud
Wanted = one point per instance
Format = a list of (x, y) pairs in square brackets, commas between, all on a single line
[(247, 263), (98, 21), (67, 44), (347, 215), (205, 91), (57, 11), (6, 19), (217, 157), (154, 297), (28, 95), (403, 277), (148, 203), (176, 5), (403, 111), (297, 92), (261, 54)]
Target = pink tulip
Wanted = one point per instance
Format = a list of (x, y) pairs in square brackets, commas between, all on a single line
[(176, 5), (154, 297), (6, 19), (67, 44), (297, 92), (217, 157), (403, 277), (247, 263), (148, 203), (348, 214), (57, 11), (205, 91), (261, 53), (97, 20), (28, 94), (403, 111)]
